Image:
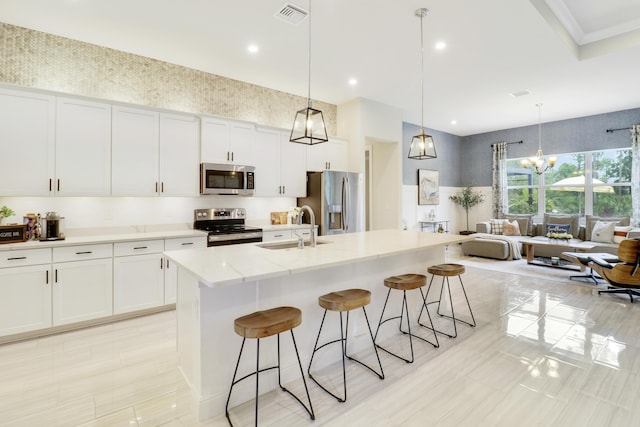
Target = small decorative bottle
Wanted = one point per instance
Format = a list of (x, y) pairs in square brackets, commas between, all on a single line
[(440, 229)]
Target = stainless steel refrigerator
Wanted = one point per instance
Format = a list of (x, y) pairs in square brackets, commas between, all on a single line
[(337, 200)]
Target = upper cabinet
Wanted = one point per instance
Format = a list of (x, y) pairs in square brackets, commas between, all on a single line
[(154, 153), (135, 152), (280, 164), (27, 137), (227, 141), (83, 148), (331, 155), (179, 142)]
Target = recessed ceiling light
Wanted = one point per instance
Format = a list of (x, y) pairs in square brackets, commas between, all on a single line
[(441, 45), (252, 48), (454, 122), (520, 93), (353, 81)]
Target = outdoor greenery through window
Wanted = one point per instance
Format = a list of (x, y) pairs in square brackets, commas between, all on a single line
[(590, 183)]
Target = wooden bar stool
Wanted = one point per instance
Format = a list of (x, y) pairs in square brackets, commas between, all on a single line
[(446, 271), (341, 301), (262, 324), (404, 283)]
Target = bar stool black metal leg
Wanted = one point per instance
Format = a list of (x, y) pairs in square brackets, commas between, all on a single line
[(258, 375), (424, 307), (233, 382), (309, 409), (375, 349)]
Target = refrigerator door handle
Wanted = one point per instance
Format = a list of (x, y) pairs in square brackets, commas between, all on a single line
[(345, 203)]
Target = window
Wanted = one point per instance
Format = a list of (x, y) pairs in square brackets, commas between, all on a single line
[(594, 183)]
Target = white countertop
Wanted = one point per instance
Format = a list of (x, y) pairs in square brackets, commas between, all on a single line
[(103, 238), (228, 265)]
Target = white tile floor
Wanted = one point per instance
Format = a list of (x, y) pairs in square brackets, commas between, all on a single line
[(545, 352)]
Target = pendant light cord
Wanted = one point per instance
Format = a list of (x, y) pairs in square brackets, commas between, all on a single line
[(422, 71), (539, 128), (309, 86)]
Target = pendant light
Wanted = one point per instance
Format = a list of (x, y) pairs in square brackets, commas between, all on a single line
[(538, 162), (308, 126), (422, 146)]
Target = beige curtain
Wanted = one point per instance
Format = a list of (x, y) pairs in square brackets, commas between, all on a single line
[(635, 174)]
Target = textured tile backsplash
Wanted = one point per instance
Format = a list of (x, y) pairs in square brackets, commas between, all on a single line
[(45, 61)]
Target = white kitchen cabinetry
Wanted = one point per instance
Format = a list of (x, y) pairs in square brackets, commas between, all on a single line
[(179, 139), (25, 290), (171, 270), (82, 283), (135, 152), (331, 155), (275, 236), (83, 148), (27, 137), (280, 164), (138, 275), (226, 141)]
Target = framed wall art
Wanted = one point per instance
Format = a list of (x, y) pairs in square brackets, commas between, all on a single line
[(428, 187)]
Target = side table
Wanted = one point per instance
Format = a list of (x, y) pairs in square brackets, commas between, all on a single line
[(435, 225)]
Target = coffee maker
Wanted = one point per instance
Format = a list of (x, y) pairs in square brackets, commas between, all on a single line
[(52, 226)]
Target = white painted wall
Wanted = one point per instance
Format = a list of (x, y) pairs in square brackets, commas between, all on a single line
[(412, 213)]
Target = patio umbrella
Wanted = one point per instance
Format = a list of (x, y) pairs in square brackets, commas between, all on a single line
[(576, 183)]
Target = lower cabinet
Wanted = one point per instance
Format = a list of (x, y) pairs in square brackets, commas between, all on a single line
[(171, 270), (25, 299), (138, 276)]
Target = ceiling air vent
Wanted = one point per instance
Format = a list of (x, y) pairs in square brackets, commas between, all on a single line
[(291, 14), (520, 93)]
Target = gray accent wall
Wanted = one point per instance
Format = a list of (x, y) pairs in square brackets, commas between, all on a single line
[(448, 148), (473, 165)]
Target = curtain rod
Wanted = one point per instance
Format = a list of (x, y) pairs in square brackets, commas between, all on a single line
[(514, 142), (615, 130)]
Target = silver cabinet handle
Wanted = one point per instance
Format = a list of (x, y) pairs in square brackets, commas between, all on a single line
[(186, 243), (139, 247)]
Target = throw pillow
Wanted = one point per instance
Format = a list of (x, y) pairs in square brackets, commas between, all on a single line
[(562, 219), (620, 233), (558, 229), (603, 232), (525, 222), (496, 226), (511, 228), (591, 220)]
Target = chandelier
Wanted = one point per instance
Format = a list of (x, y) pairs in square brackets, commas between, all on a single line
[(539, 163)]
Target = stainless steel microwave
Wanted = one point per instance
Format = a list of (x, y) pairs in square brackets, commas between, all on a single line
[(218, 178)]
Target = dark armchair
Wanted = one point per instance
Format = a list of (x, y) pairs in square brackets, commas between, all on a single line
[(623, 277)]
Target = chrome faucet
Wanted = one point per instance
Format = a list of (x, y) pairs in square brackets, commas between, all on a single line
[(313, 223)]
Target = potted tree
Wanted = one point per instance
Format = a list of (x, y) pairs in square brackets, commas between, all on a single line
[(467, 199)]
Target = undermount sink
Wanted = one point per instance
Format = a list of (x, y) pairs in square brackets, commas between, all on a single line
[(286, 245)]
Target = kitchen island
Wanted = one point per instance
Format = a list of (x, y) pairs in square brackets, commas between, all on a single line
[(218, 284)]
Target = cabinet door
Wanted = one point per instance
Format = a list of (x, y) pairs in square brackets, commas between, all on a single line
[(135, 151), (25, 299), (179, 155), (318, 157), (138, 282), (268, 166), (82, 290), (241, 136), (293, 168), (27, 132), (83, 148), (338, 151), (214, 134)]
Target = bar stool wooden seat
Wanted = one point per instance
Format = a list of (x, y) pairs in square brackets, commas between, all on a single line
[(446, 271), (404, 283), (341, 301), (262, 324)]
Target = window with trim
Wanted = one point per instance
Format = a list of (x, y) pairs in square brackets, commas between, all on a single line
[(589, 183)]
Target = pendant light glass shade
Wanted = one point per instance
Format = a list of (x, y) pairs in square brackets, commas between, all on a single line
[(422, 145), (308, 126)]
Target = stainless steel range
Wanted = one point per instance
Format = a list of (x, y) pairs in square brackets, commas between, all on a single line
[(225, 226)]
